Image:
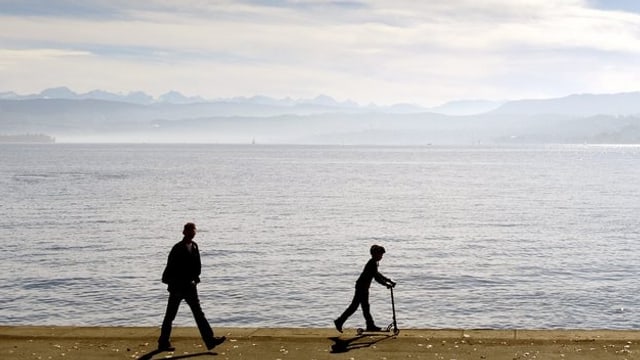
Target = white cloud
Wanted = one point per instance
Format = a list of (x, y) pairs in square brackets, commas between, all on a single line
[(382, 51), (18, 58), (42, 54)]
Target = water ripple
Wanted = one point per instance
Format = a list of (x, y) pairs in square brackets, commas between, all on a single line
[(476, 237)]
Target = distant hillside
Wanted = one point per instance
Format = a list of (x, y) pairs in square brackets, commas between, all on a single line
[(27, 139), (574, 119), (576, 105), (466, 107)]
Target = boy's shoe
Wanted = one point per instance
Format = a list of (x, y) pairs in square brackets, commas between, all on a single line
[(165, 346), (215, 342), (338, 325), (373, 328)]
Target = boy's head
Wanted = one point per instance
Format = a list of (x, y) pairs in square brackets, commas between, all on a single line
[(376, 252)]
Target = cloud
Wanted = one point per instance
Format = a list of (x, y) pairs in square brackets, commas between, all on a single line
[(374, 50), (44, 54), (617, 5), (62, 8), (14, 57)]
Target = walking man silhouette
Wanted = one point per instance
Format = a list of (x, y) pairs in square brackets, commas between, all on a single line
[(182, 274)]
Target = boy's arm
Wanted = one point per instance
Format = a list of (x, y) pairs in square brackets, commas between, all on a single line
[(382, 279)]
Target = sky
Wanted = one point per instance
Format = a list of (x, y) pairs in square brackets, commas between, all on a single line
[(368, 51)]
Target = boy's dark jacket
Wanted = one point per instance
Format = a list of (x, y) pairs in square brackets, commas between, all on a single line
[(183, 267), (369, 273)]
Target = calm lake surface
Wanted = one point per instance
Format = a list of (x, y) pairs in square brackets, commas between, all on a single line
[(476, 237)]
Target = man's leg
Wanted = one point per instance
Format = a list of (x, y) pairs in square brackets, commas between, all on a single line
[(203, 325), (170, 314)]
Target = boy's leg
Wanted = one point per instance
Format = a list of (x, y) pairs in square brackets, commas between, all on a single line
[(366, 310), (348, 312)]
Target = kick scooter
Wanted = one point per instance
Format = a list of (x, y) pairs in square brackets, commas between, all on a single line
[(392, 328)]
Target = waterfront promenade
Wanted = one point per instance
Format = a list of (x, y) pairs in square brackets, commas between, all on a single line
[(311, 343)]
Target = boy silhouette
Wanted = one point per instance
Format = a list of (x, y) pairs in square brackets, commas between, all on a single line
[(361, 296)]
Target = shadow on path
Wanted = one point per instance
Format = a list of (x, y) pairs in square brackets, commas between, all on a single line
[(150, 355), (344, 345)]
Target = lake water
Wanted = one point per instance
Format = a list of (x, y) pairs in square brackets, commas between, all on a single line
[(476, 237)]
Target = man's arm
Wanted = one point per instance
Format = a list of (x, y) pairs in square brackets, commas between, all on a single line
[(168, 275), (170, 271), (198, 264)]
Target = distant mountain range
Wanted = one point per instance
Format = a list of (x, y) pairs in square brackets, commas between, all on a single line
[(173, 117), (319, 102), (137, 97)]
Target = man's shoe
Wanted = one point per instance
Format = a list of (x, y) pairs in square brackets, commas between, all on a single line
[(215, 342), (338, 325), (165, 346), (373, 328)]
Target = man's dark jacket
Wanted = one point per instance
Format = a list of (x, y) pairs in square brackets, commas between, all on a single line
[(183, 267)]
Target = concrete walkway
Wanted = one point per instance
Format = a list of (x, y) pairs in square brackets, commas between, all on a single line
[(40, 342)]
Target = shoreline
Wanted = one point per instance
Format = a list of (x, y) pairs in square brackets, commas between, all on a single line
[(73, 342), (133, 332)]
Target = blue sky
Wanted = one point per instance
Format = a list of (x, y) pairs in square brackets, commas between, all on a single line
[(421, 52)]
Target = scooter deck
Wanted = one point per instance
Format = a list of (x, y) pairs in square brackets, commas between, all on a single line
[(391, 329)]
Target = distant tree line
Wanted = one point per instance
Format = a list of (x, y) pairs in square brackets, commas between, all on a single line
[(27, 139)]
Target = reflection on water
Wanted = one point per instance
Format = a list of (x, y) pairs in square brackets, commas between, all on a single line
[(476, 237)]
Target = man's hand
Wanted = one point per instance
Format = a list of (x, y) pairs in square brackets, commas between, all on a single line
[(391, 284)]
